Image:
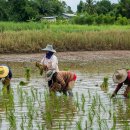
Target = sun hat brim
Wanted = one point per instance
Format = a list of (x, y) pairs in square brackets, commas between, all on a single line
[(123, 76), (46, 49), (5, 70)]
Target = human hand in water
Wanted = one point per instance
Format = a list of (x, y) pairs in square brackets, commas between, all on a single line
[(113, 95)]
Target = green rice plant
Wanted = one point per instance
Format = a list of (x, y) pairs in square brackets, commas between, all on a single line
[(27, 74), (89, 94), (77, 101), (12, 119), (22, 83), (90, 118), (79, 126), (22, 124), (83, 102), (114, 122), (104, 85)]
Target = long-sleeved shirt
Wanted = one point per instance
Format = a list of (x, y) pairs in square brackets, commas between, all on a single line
[(64, 77), (126, 82), (52, 63)]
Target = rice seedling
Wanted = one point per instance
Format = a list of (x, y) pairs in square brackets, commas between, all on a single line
[(77, 101), (27, 74), (12, 119), (104, 85), (79, 126), (22, 83)]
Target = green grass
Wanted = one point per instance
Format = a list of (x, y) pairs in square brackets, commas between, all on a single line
[(13, 26), (31, 37)]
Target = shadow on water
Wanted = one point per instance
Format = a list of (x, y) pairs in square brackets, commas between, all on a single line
[(30, 106)]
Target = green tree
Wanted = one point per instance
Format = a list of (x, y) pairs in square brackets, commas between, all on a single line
[(124, 8), (81, 7), (90, 7), (103, 7)]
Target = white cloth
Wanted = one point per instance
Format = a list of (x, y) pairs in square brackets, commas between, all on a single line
[(51, 63)]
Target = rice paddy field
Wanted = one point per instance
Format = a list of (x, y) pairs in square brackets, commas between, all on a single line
[(31, 37), (29, 106)]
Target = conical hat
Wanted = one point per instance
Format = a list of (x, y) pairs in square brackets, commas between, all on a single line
[(120, 75), (4, 71)]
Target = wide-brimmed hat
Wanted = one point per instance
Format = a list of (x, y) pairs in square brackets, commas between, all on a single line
[(120, 75), (4, 71), (49, 74), (49, 48)]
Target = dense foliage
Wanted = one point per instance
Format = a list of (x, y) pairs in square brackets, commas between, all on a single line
[(24, 10), (97, 12)]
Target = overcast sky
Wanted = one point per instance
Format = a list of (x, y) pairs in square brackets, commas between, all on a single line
[(73, 3)]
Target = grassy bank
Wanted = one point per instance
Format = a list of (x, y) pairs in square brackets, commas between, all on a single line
[(63, 37)]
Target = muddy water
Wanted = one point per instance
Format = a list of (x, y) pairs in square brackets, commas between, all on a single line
[(31, 108)]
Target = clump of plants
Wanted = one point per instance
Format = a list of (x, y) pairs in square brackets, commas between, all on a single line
[(27, 74), (22, 83), (104, 85)]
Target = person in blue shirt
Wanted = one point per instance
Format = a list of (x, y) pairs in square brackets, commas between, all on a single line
[(5, 75)]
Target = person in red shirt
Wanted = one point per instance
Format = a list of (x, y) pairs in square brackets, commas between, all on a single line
[(122, 76), (62, 81)]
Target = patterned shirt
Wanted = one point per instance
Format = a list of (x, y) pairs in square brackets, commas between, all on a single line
[(64, 77)]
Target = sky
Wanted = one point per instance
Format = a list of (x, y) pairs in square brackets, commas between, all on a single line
[(73, 3)]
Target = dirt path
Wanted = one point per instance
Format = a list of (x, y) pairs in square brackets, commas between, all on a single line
[(69, 56)]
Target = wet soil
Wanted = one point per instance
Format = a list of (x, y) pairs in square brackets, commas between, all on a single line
[(85, 56)]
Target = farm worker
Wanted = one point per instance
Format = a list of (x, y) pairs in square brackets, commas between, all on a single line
[(122, 76), (49, 61), (5, 75), (62, 81)]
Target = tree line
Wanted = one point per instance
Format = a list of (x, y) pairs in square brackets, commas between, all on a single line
[(24, 10), (103, 11)]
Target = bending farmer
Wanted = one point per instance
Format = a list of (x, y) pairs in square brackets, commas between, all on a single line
[(121, 77), (62, 81), (5, 75)]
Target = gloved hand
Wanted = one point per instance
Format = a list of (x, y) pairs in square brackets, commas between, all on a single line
[(113, 95)]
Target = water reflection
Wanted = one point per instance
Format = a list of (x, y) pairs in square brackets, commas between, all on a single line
[(59, 111)]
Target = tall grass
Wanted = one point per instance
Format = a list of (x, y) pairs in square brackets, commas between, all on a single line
[(32, 41)]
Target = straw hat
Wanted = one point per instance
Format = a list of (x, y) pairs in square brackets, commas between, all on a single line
[(120, 75), (4, 71), (49, 74), (49, 48)]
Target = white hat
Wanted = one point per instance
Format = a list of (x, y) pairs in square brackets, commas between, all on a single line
[(120, 76), (4, 71), (49, 48), (49, 74)]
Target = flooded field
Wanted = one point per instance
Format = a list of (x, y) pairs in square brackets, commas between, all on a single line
[(30, 107)]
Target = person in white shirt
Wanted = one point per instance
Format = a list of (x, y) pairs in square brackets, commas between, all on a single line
[(49, 61)]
